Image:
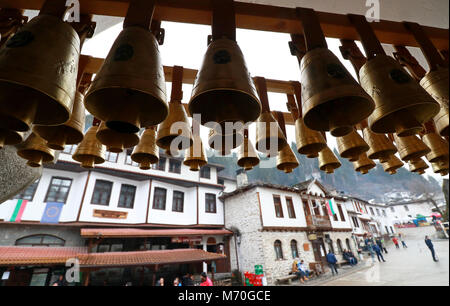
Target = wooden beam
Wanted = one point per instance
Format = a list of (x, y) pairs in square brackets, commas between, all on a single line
[(253, 16)]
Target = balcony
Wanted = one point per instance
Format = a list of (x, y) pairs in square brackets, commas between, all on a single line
[(318, 222)]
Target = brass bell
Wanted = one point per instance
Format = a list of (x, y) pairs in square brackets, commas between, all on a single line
[(436, 84), (441, 168), (380, 146), (176, 125), (269, 136), (224, 143), (418, 166), (90, 151), (328, 161), (352, 146), (411, 147), (248, 157), (146, 152), (223, 89), (129, 91), (35, 150), (363, 164), (438, 146), (286, 160), (309, 142), (38, 71), (8, 137), (114, 141), (392, 165), (68, 133), (195, 157)]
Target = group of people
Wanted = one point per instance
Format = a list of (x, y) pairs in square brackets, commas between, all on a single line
[(349, 257), (395, 241), (299, 268), (188, 281)]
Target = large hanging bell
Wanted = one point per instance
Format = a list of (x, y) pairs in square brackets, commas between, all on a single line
[(129, 91), (114, 141), (248, 157), (146, 152), (286, 160), (352, 146), (328, 161), (436, 84), (35, 150), (418, 166), (224, 143), (309, 142), (38, 72), (90, 151), (270, 138), (223, 89), (195, 156), (411, 147), (441, 168), (402, 106), (332, 99), (68, 133), (176, 126), (438, 146), (380, 146), (392, 165), (364, 164), (8, 137)]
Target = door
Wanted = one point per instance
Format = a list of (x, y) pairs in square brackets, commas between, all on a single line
[(319, 251), (19, 278)]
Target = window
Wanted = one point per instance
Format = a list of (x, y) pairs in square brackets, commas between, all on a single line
[(371, 211), (406, 208), (178, 201), (316, 208), (306, 208), (278, 250), (339, 245), (220, 181), (127, 194), (41, 240), (159, 199), (378, 213), (210, 203), (205, 172), (347, 242), (69, 149), (355, 221), (175, 166), (278, 207), (58, 190), (28, 194), (290, 207), (392, 209), (129, 161), (384, 213), (102, 192), (294, 249), (161, 165), (341, 212), (111, 157)]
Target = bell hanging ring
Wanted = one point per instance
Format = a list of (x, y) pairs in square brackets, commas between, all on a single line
[(38, 72), (352, 146), (286, 160), (328, 161), (35, 151), (392, 165), (411, 147), (146, 152), (90, 151), (363, 164), (114, 141), (380, 146)]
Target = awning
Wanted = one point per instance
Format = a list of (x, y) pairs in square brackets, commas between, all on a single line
[(24, 256), (144, 258), (134, 232)]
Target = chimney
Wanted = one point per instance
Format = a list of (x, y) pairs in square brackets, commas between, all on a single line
[(242, 178)]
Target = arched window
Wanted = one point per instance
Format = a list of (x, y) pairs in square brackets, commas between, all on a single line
[(294, 249), (330, 246), (278, 250), (347, 242), (41, 240), (339, 245)]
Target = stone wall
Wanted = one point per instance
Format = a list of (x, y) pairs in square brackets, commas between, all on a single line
[(342, 236)]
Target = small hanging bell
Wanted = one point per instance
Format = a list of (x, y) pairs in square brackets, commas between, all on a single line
[(364, 164), (441, 168), (195, 157), (8, 137), (69, 133), (286, 160), (352, 146), (114, 141), (392, 165), (146, 152), (411, 147), (38, 71), (380, 146), (328, 162), (224, 143), (90, 151), (35, 150), (248, 157), (309, 142), (418, 166), (438, 146)]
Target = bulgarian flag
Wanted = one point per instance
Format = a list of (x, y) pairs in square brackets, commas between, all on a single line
[(18, 211), (330, 207)]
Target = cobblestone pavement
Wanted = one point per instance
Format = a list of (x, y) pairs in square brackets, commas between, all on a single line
[(413, 266)]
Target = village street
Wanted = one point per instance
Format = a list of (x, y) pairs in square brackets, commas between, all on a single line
[(404, 267)]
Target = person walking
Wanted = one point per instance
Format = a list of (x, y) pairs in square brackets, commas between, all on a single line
[(206, 282), (377, 250), (431, 247), (395, 241), (332, 261), (383, 247), (403, 241)]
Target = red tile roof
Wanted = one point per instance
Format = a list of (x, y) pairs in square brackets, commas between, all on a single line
[(14, 255), (134, 232), (117, 259)]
